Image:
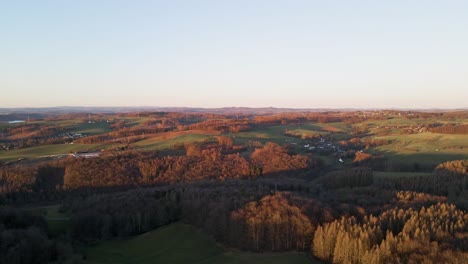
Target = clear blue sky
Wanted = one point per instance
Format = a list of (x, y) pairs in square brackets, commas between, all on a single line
[(234, 53)]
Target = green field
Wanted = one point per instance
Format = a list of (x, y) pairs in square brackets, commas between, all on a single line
[(426, 143), (90, 129), (158, 143), (268, 133), (392, 174), (57, 149), (333, 127), (424, 148), (134, 121), (398, 121), (7, 125), (179, 243), (403, 121), (77, 126), (57, 222), (307, 133), (276, 133)]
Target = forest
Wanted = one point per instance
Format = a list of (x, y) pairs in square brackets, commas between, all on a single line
[(334, 186)]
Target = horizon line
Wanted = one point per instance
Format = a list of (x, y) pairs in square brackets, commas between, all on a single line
[(240, 107)]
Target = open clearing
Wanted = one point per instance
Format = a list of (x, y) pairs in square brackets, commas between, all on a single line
[(428, 149), (35, 152), (90, 128), (179, 243), (57, 222), (426, 143), (276, 133), (167, 140)]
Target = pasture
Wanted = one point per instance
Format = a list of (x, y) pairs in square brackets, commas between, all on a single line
[(35, 152), (337, 127), (164, 141), (427, 149), (301, 132), (89, 128), (78, 125), (179, 243), (57, 222), (277, 133)]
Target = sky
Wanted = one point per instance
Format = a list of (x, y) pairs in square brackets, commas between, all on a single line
[(245, 53)]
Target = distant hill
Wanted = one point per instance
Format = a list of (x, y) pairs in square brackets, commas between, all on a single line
[(8, 117), (9, 114)]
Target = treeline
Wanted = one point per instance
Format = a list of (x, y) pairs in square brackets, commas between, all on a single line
[(353, 177), (453, 168), (126, 214), (26, 135), (171, 122), (136, 211), (15, 179), (250, 215), (278, 214), (217, 162), (437, 234), (298, 118), (450, 179), (237, 213), (219, 125), (24, 240), (139, 170), (198, 164), (124, 134), (292, 133), (32, 130), (451, 129), (33, 142), (275, 159), (271, 224)]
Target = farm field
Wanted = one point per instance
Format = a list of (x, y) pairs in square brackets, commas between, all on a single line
[(35, 152), (427, 149), (169, 139), (179, 243), (398, 121), (425, 142), (90, 128), (277, 133), (306, 132), (332, 127), (77, 125), (57, 222)]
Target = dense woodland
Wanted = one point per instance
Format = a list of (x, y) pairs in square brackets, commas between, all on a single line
[(254, 195), (451, 129), (24, 239)]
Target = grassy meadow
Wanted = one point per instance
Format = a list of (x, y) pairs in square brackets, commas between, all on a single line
[(90, 128), (167, 140), (277, 133), (57, 222), (426, 149), (36, 152), (179, 243)]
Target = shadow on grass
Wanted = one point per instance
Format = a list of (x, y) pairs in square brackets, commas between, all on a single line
[(417, 162)]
